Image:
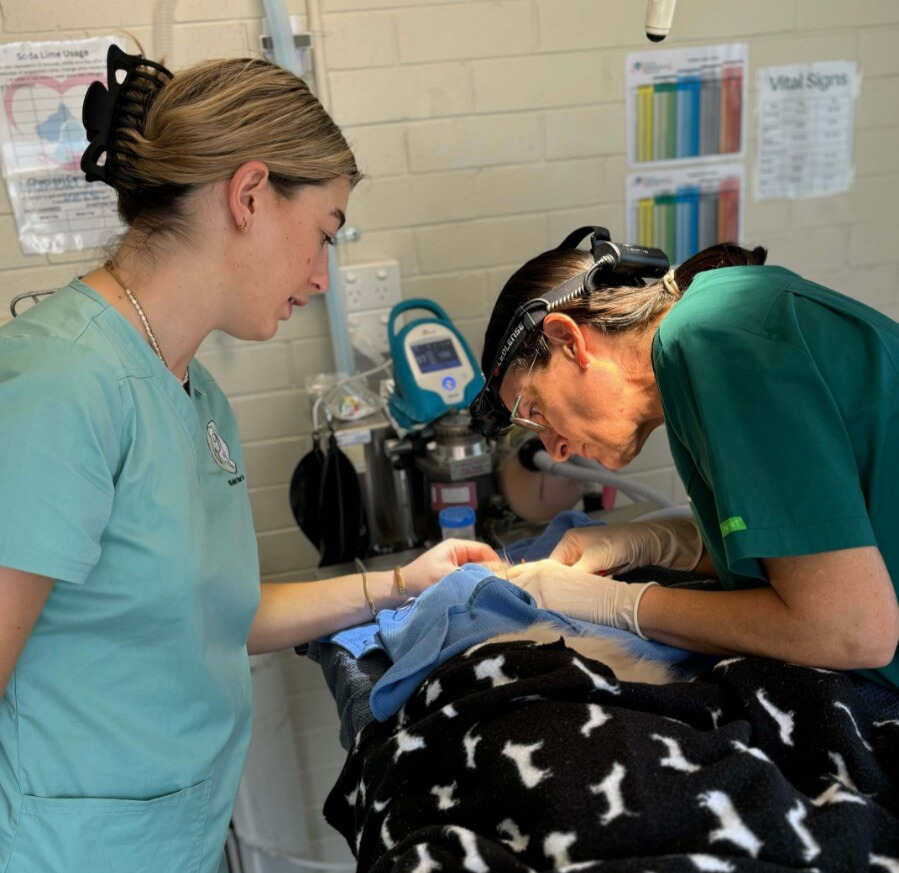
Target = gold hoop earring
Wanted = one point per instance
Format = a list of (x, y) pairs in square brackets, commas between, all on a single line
[(242, 227)]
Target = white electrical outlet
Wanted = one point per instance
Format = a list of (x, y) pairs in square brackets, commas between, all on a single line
[(370, 291), (368, 287), (372, 324)]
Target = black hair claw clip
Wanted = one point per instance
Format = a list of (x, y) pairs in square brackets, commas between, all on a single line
[(100, 107)]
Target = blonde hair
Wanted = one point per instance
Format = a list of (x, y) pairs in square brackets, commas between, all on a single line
[(201, 125)]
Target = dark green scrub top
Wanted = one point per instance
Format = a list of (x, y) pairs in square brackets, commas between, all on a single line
[(781, 402)]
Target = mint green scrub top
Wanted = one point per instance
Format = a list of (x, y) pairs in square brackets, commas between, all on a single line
[(124, 729), (781, 401)]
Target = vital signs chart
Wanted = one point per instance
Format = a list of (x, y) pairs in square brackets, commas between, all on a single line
[(806, 119)]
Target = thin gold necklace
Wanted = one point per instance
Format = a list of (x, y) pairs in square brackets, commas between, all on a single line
[(110, 268)]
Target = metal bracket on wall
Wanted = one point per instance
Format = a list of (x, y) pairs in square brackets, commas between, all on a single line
[(302, 42)]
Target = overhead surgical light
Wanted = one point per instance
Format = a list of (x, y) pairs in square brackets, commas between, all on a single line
[(659, 15)]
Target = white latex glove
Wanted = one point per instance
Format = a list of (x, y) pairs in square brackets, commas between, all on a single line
[(675, 543), (577, 594)]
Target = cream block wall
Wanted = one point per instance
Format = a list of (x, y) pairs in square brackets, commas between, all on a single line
[(487, 131)]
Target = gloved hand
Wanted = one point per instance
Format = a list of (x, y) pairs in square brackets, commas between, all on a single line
[(675, 543), (581, 595)]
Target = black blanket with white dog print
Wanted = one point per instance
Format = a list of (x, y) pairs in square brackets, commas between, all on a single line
[(520, 757)]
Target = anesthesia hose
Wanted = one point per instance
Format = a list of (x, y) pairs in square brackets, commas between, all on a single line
[(590, 471)]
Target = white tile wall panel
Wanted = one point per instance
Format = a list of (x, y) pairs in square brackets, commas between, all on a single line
[(873, 243), (462, 295), (462, 31), (382, 245), (474, 141), (799, 250), (271, 508), (812, 14), (585, 131), (803, 47), (197, 42), (482, 243), (379, 95), (878, 104), (360, 40), (875, 151), (285, 553), (538, 82), (48, 17), (272, 462), (368, 5), (380, 149), (877, 48), (242, 369), (269, 414), (218, 10)]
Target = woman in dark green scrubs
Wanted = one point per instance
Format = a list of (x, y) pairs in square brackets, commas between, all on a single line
[(779, 398)]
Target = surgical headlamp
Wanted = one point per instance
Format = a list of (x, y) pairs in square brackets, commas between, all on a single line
[(489, 415)]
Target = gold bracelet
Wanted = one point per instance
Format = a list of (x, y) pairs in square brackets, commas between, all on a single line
[(398, 578), (371, 603)]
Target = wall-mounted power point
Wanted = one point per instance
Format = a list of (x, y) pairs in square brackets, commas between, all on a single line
[(368, 287), (374, 325), (370, 291)]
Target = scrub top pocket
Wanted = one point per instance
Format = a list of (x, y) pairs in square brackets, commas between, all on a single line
[(87, 835)]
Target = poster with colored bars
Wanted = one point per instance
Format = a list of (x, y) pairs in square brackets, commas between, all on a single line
[(684, 210), (686, 104)]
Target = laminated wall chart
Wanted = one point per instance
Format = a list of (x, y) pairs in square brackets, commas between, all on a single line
[(42, 85), (684, 210), (686, 121), (805, 126)]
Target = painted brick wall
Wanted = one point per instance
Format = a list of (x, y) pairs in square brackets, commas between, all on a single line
[(487, 130)]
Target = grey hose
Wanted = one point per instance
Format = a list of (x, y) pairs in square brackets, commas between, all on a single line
[(590, 471)]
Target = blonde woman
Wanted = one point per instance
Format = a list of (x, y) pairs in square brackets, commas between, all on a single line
[(129, 578)]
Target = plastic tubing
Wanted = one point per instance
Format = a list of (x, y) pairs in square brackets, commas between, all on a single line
[(283, 50), (589, 471), (163, 24)]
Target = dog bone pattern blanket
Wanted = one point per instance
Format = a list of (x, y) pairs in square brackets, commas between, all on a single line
[(518, 757)]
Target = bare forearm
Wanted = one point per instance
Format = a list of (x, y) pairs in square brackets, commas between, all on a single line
[(705, 566), (291, 613), (758, 621)]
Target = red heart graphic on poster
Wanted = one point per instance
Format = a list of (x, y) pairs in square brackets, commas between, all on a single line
[(41, 106)]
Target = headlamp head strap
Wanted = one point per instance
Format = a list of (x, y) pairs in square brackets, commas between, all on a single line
[(629, 264), (528, 318)]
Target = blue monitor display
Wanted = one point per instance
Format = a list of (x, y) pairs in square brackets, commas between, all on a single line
[(436, 355)]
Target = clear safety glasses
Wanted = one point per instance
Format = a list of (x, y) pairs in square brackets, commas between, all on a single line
[(518, 420)]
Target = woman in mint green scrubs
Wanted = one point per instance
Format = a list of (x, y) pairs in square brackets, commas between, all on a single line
[(129, 579), (779, 398)]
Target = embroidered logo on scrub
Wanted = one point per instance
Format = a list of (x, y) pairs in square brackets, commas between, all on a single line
[(219, 448), (728, 526)]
